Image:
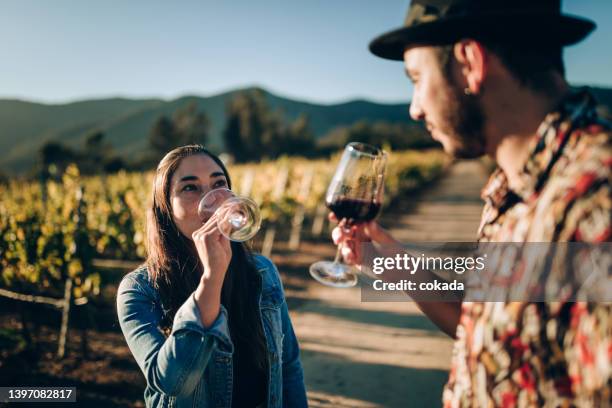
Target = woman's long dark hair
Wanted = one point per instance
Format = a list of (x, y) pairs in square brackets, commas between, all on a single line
[(175, 268)]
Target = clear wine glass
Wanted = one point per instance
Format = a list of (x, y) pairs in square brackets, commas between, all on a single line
[(238, 218), (354, 195)]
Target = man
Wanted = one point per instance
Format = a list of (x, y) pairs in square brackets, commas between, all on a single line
[(488, 79)]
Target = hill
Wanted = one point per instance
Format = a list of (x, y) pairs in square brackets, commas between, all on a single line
[(26, 126)]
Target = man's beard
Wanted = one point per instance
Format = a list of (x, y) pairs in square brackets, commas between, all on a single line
[(464, 119)]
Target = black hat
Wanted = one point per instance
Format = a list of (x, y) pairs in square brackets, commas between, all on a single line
[(438, 22)]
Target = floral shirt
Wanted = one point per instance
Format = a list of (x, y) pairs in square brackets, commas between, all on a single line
[(550, 354)]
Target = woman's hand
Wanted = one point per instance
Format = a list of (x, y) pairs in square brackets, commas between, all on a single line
[(215, 254), (214, 251)]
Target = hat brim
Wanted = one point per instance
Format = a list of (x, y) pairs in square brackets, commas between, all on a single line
[(530, 28)]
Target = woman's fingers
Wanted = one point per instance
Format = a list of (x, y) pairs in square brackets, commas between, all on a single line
[(209, 225)]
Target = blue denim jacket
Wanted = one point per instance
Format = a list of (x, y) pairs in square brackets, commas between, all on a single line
[(193, 366)]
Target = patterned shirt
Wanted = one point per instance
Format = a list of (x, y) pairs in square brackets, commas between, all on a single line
[(548, 354)]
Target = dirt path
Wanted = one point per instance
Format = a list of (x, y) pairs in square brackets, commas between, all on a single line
[(385, 354)]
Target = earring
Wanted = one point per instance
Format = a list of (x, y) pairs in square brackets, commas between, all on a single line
[(467, 91)]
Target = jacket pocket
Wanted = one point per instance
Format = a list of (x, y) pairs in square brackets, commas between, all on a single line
[(221, 375)]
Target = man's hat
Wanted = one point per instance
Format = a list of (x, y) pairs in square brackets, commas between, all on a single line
[(438, 22)]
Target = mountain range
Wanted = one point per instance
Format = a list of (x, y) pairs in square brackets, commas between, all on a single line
[(26, 126)]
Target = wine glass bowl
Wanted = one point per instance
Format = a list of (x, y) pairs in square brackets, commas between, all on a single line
[(354, 195), (333, 273), (238, 218)]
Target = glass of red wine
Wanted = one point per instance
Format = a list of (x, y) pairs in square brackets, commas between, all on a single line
[(354, 195)]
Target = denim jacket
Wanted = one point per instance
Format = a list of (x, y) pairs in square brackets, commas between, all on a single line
[(193, 366)]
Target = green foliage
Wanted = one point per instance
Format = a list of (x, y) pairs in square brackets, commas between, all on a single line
[(187, 126), (94, 152), (96, 156), (190, 125), (299, 139), (11, 340), (53, 230), (254, 132), (161, 137), (44, 241), (398, 136), (248, 123), (54, 153)]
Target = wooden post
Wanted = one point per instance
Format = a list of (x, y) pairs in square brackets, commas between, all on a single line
[(298, 218), (85, 315), (319, 221), (61, 349), (247, 183), (277, 194), (25, 331)]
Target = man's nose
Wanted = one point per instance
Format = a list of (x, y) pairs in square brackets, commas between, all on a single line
[(415, 111)]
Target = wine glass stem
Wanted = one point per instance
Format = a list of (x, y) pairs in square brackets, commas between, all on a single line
[(338, 254), (344, 224)]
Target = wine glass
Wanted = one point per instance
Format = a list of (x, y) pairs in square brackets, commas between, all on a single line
[(238, 218), (354, 195)]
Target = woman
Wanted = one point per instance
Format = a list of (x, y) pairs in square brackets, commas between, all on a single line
[(205, 318)]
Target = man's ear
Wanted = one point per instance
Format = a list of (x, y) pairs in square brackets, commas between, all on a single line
[(472, 59)]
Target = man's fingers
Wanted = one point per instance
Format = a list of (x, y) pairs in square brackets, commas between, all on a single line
[(337, 235), (350, 252), (341, 234), (347, 253), (378, 234)]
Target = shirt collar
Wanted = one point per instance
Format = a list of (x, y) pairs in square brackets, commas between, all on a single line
[(552, 134)]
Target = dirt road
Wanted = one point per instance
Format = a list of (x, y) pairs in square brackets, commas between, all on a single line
[(385, 354)]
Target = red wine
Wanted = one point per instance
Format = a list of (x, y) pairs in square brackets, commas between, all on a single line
[(354, 209)]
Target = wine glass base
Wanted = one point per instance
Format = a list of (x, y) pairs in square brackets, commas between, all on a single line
[(334, 274)]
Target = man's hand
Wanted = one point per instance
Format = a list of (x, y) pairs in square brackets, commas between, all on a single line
[(444, 314), (350, 238)]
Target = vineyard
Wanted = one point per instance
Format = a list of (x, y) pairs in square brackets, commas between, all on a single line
[(52, 233)]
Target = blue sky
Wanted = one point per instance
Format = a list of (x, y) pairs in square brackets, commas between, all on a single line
[(316, 50)]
